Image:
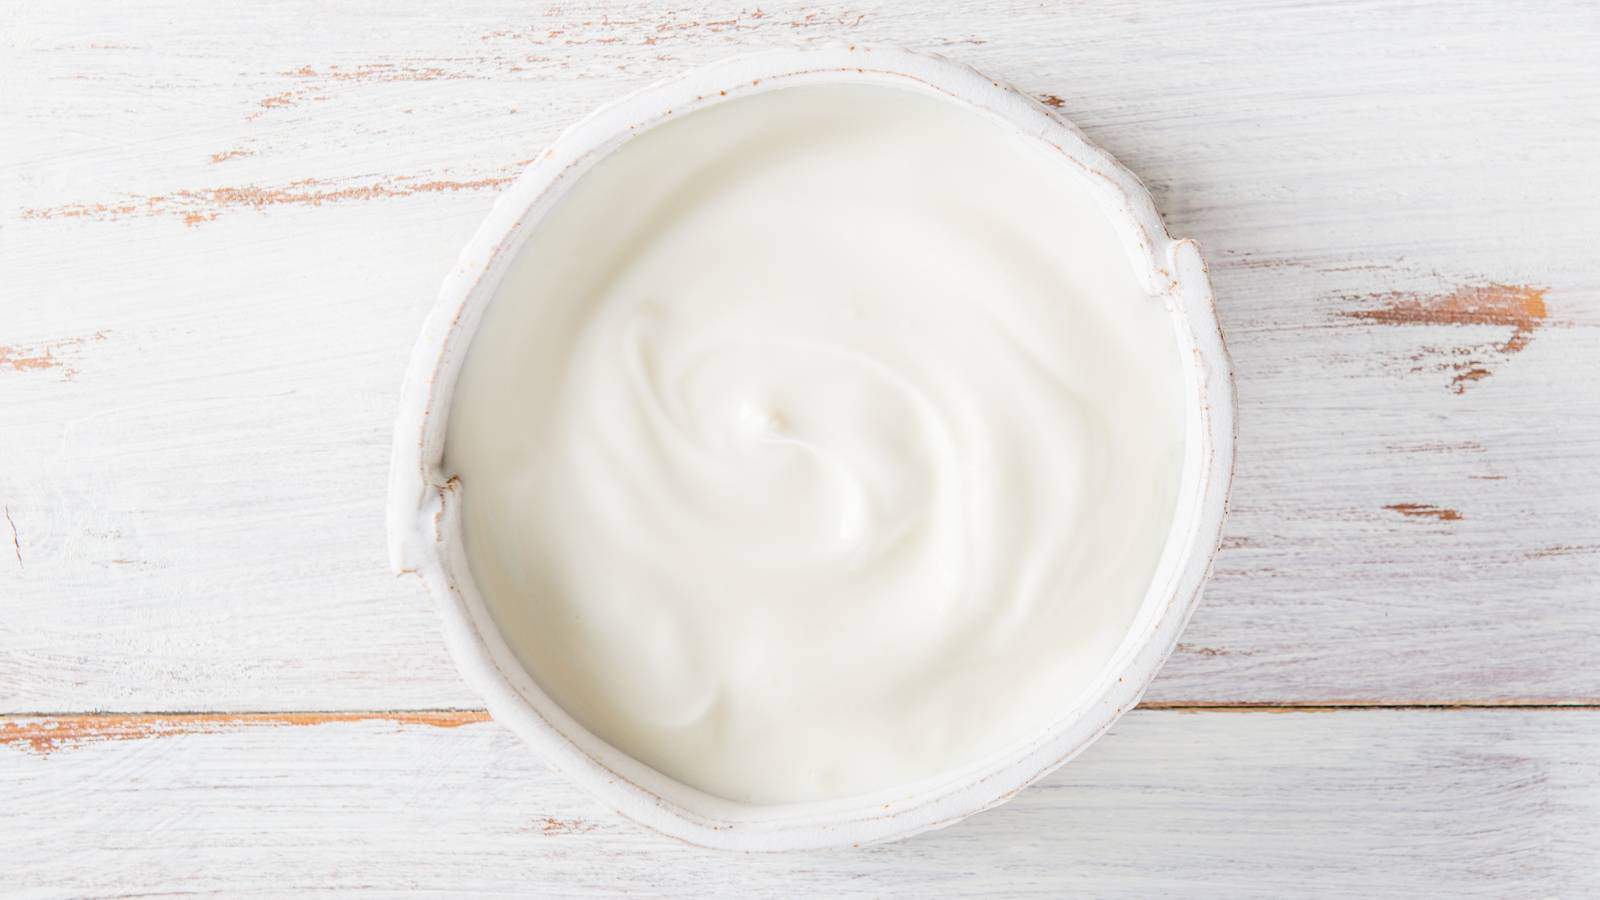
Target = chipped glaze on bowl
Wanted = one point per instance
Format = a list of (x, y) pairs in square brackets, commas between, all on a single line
[(424, 505)]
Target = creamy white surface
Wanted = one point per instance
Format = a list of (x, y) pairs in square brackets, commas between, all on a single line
[(819, 442)]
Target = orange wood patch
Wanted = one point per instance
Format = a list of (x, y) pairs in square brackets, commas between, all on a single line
[(45, 356), (1518, 307), (1425, 510)]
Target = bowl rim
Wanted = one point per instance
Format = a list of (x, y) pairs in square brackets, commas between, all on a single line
[(424, 505)]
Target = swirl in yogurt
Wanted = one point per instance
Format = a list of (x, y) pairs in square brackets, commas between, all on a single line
[(819, 442)]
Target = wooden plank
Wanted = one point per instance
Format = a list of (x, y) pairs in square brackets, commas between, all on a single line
[(1368, 804), (218, 235)]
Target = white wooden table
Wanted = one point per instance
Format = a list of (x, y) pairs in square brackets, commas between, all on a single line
[(220, 229)]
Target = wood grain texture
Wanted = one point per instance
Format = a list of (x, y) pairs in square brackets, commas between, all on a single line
[(1370, 804), (219, 233), (220, 230)]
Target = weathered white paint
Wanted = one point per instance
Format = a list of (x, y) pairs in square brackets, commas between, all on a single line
[(1368, 804), (196, 414)]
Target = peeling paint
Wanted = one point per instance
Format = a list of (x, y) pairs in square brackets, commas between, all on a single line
[(198, 205), (1425, 510), (49, 355), (551, 826), (1197, 650), (21, 359), (385, 72), (606, 30), (1518, 307), (51, 734), (318, 80)]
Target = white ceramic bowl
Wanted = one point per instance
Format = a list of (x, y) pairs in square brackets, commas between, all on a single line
[(424, 507)]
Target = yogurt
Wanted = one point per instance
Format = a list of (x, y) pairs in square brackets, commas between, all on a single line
[(818, 443)]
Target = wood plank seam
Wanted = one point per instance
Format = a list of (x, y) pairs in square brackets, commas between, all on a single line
[(47, 733)]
